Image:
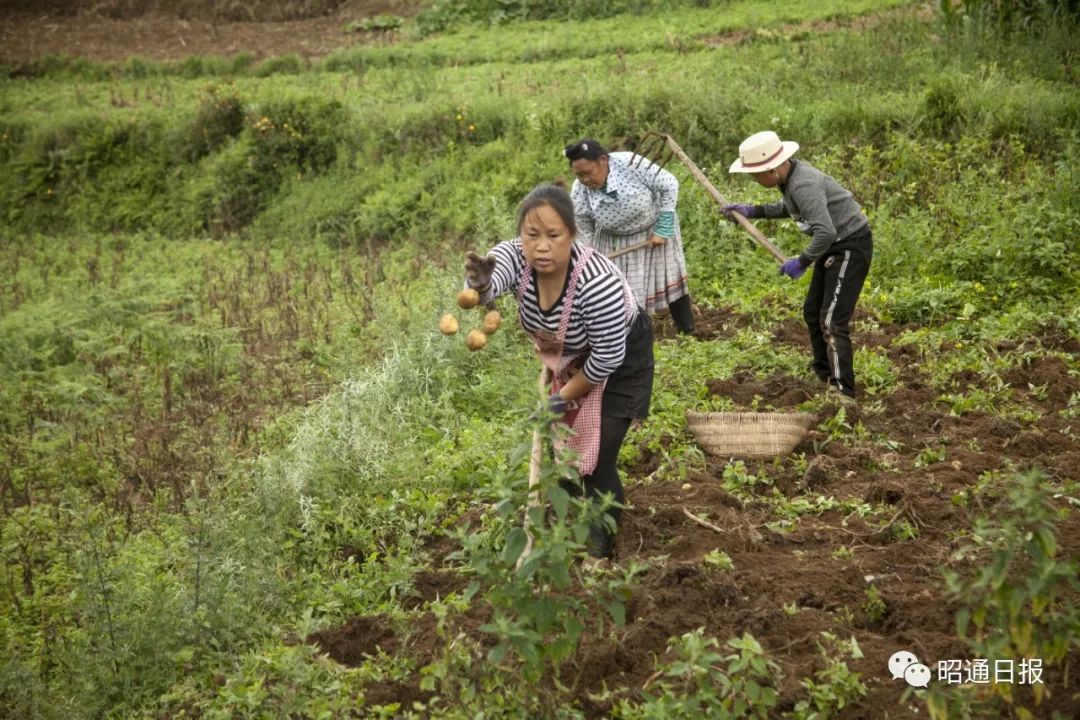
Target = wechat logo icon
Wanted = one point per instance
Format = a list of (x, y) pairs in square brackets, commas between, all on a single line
[(904, 664)]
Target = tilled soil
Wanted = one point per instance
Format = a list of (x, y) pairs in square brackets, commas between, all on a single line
[(115, 31), (787, 588)]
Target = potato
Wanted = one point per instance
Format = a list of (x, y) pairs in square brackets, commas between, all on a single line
[(468, 298), (476, 340), (491, 322), (448, 324)]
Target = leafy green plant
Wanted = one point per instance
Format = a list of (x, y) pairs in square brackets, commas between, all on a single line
[(537, 619), (835, 686), (874, 606), (903, 530), (875, 372), (704, 682), (836, 427), (740, 481), (275, 679), (1018, 604), (977, 399), (930, 455), (925, 303), (718, 559)]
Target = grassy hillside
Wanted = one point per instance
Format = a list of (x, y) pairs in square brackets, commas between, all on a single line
[(233, 439)]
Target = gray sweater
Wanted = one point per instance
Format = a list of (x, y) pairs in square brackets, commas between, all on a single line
[(821, 208)]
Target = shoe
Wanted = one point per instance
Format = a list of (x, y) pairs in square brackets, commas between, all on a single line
[(834, 395), (813, 371)]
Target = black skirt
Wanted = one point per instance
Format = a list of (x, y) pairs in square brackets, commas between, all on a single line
[(629, 389)]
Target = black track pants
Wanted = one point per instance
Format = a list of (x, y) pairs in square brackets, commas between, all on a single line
[(830, 302), (604, 479)]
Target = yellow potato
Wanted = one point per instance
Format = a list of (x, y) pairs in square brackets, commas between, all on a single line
[(491, 322), (476, 340), (448, 324), (468, 298)]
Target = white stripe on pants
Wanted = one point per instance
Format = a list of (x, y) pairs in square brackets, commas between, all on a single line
[(833, 356)]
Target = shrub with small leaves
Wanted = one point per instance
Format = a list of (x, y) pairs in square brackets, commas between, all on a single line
[(835, 687), (703, 682), (538, 616), (1020, 603), (220, 117)]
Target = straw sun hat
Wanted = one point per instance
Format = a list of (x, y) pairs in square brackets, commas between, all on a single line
[(763, 151)]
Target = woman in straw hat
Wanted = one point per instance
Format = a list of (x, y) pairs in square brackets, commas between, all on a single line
[(840, 248), (622, 199)]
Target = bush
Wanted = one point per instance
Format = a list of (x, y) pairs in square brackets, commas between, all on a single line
[(1020, 603), (282, 139), (702, 682), (1007, 16), (220, 117), (943, 108)]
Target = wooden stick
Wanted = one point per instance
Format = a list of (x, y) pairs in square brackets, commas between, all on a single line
[(536, 458), (703, 522), (628, 249), (649, 680), (748, 226)]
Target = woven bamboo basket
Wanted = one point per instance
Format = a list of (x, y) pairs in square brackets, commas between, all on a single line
[(749, 435)]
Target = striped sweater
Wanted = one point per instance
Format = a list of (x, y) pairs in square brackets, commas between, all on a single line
[(600, 319)]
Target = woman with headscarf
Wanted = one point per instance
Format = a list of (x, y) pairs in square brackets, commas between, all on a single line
[(622, 199)]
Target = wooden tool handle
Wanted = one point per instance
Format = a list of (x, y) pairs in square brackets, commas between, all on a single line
[(628, 249), (748, 226), (536, 458), (537, 451)]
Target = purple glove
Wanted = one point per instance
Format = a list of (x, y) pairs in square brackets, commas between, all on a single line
[(556, 405), (793, 268), (747, 211)]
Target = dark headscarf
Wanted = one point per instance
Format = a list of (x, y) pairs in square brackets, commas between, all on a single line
[(586, 148)]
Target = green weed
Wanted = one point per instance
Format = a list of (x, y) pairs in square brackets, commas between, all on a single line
[(526, 577), (834, 687), (704, 682), (718, 559), (874, 607)]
